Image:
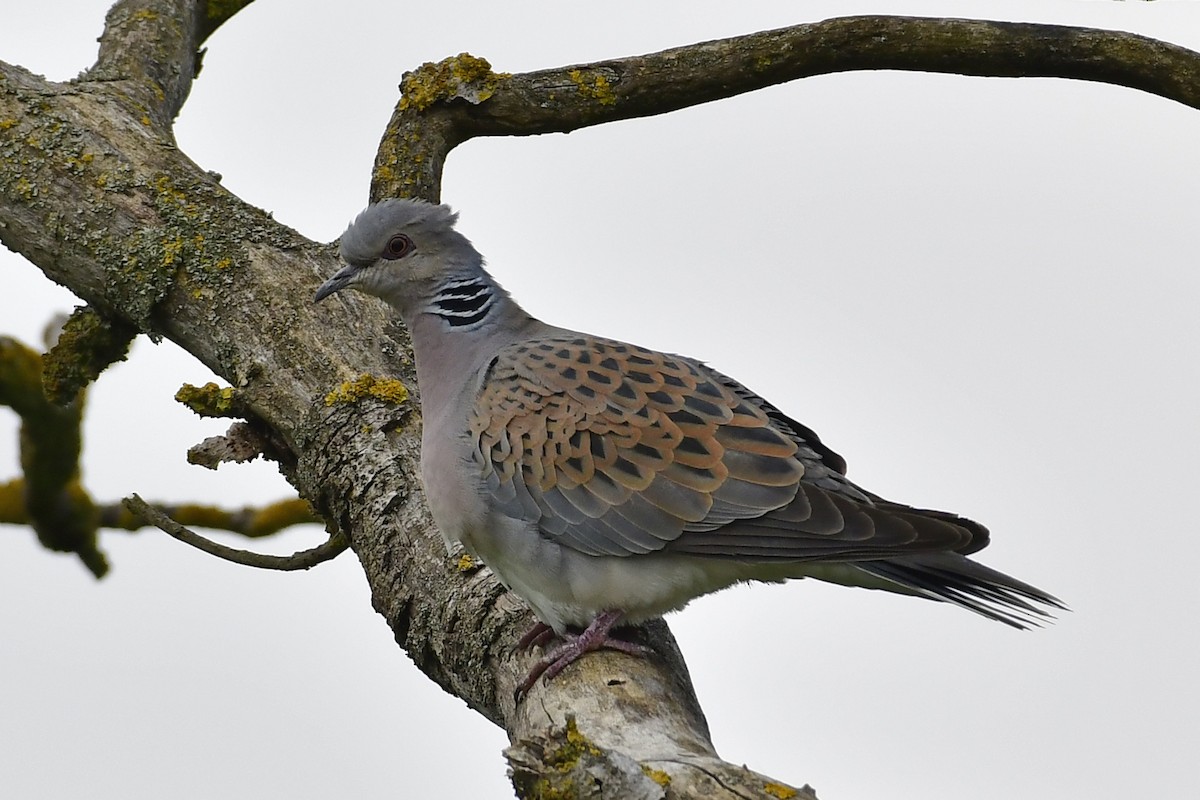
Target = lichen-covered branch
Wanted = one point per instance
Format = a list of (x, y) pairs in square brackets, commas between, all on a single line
[(51, 497), (86, 345), (564, 762), (217, 13), (150, 53), (253, 522), (447, 103)]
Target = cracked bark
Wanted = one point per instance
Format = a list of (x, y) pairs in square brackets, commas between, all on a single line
[(95, 193)]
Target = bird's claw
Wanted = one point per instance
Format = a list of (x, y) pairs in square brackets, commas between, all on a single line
[(595, 637)]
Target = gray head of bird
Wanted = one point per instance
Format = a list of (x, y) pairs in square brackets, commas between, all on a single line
[(401, 251)]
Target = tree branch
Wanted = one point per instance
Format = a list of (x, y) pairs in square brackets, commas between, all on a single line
[(304, 559), (51, 496), (85, 346), (251, 522), (150, 54), (460, 98)]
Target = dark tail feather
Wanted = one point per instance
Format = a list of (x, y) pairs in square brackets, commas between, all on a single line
[(956, 579)]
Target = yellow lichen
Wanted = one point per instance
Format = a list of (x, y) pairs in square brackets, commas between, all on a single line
[(593, 85), (465, 563), (657, 775), (12, 503), (202, 516), (87, 344), (462, 76), (208, 400), (171, 248), (167, 191), (77, 163), (565, 757), (388, 390), (277, 516), (779, 790)]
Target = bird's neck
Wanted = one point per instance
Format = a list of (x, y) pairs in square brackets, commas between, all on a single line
[(466, 302), (456, 329)]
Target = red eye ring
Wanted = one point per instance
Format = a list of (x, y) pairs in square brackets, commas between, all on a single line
[(398, 247)]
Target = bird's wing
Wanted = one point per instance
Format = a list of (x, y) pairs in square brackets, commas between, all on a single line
[(613, 449)]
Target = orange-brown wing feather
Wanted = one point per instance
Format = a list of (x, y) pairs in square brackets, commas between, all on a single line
[(617, 450)]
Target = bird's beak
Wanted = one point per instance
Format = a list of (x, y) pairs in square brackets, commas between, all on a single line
[(340, 280)]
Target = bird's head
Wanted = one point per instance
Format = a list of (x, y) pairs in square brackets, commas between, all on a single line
[(399, 250)]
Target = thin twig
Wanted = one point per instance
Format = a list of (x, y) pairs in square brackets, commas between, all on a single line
[(304, 559)]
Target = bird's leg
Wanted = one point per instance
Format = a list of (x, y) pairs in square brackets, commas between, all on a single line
[(595, 637)]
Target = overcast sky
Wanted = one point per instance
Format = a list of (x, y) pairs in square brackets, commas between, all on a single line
[(981, 292)]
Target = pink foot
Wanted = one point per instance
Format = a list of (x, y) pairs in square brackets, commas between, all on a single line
[(536, 636), (594, 637)]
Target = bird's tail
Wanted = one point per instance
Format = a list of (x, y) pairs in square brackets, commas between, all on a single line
[(956, 579)]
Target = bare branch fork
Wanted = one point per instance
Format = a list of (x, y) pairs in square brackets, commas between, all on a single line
[(94, 192)]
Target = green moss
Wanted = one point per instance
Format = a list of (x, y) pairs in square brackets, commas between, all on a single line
[(388, 390), (462, 76), (209, 400), (592, 84), (87, 345)]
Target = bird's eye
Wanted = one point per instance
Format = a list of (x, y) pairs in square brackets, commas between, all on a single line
[(398, 247)]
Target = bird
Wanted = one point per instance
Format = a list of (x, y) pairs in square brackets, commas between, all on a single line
[(607, 484)]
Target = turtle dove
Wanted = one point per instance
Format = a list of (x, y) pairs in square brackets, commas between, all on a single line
[(606, 483)]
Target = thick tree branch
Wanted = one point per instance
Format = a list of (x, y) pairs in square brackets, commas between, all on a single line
[(148, 55), (460, 98), (150, 52)]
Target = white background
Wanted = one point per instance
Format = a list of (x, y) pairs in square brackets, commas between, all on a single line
[(982, 292)]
